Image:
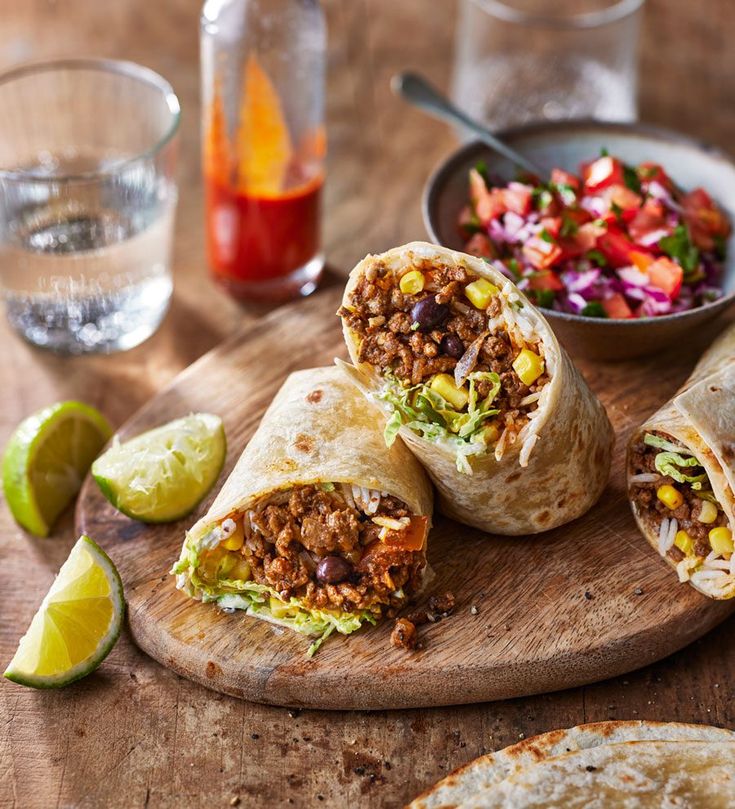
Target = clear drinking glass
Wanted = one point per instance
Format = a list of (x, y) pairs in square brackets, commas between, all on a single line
[(523, 60), (87, 201)]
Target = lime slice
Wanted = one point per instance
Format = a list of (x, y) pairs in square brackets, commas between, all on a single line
[(77, 623), (161, 475), (46, 460)]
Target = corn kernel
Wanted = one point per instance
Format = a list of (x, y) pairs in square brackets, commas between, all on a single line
[(412, 282), (708, 514), (529, 366), (241, 570), (479, 292), (684, 543), (669, 496), (443, 384), (235, 540), (490, 434), (720, 540)]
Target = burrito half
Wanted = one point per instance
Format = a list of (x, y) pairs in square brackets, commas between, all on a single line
[(681, 474), (319, 527), (471, 376)]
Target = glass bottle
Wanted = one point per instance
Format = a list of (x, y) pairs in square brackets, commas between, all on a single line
[(264, 144)]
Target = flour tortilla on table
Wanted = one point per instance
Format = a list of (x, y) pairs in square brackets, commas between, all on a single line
[(490, 769), (560, 463), (625, 775)]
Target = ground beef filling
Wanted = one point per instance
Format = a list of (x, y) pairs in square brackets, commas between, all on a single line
[(642, 461), (319, 549), (381, 315)]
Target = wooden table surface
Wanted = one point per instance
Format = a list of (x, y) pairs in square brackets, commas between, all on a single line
[(135, 734)]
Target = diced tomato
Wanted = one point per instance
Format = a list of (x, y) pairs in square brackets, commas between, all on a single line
[(617, 307), (622, 197), (666, 275), (412, 539), (546, 280), (583, 240), (652, 172), (517, 198), (704, 218), (488, 203), (561, 177), (480, 245), (641, 260), (602, 172), (616, 247), (540, 253), (551, 224), (647, 220)]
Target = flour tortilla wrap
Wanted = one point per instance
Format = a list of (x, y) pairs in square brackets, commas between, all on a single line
[(560, 462), (625, 775), (486, 771), (317, 430), (701, 418)]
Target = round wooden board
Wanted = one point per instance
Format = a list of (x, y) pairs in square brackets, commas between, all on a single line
[(582, 603)]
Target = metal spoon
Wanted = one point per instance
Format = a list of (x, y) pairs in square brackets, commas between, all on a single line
[(417, 91)]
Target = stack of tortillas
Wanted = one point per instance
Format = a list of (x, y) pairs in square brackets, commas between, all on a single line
[(607, 764)]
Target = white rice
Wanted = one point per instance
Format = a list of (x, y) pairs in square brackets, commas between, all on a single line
[(645, 477), (530, 399), (227, 527), (527, 449), (663, 536), (717, 564)]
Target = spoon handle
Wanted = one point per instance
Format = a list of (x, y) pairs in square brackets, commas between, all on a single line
[(417, 91)]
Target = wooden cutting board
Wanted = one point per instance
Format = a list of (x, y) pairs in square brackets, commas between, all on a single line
[(581, 603)]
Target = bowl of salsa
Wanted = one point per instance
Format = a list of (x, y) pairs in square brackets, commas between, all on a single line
[(625, 242)]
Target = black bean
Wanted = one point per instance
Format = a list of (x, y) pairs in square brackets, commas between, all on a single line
[(333, 569), (452, 346), (428, 313)]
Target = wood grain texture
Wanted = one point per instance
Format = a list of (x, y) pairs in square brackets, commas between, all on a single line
[(135, 734), (575, 605)]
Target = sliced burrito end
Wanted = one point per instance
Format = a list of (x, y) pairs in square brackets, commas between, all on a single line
[(296, 540)]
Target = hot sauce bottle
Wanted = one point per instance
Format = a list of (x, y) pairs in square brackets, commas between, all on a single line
[(264, 145)]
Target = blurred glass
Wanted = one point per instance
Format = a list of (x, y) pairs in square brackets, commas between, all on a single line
[(524, 60), (87, 200)]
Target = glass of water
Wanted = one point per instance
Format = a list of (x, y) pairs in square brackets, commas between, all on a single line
[(523, 60), (87, 201)]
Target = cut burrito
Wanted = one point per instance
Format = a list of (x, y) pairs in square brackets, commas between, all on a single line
[(319, 527), (472, 378), (681, 474)]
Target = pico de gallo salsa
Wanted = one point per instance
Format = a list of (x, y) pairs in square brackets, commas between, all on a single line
[(618, 241)]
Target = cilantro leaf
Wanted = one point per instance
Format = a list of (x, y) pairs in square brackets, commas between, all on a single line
[(596, 257), (604, 152), (544, 298), (630, 178), (546, 236), (679, 247), (568, 226), (594, 309)]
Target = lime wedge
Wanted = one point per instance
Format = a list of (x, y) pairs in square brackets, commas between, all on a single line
[(46, 460), (161, 475), (77, 623)]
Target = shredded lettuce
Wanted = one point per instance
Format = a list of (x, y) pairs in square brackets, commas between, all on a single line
[(668, 463), (672, 459), (425, 412), (261, 601), (661, 443)]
